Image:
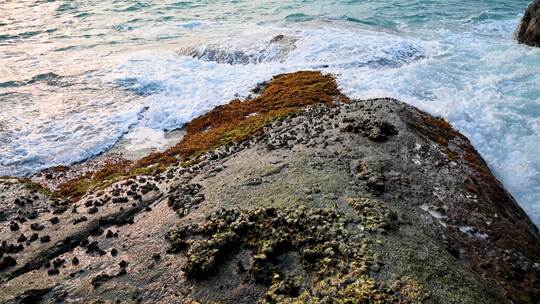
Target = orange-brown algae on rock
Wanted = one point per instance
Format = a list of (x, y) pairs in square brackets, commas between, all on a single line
[(234, 122), (241, 119), (438, 130), (108, 172)]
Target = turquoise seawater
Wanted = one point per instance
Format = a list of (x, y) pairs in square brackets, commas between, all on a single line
[(78, 76)]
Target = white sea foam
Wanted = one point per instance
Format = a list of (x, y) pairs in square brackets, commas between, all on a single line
[(480, 80), (44, 135), (482, 86), (143, 138)]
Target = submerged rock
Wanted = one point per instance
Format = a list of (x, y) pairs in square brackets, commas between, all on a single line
[(529, 29), (275, 50)]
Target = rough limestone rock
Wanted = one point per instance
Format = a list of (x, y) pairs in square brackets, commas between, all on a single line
[(368, 202), (529, 29)]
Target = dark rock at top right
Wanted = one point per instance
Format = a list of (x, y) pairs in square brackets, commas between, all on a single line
[(529, 29)]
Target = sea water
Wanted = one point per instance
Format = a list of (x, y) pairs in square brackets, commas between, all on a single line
[(78, 76)]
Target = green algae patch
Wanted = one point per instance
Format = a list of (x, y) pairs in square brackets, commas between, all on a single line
[(231, 123), (109, 173), (352, 286), (28, 184)]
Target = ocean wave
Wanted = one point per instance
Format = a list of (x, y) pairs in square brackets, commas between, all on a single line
[(23, 35), (317, 47), (371, 21), (191, 25), (276, 49), (133, 7), (141, 87), (179, 86), (64, 128), (50, 78), (300, 17)]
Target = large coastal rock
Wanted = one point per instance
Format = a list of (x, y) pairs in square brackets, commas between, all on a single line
[(371, 201), (529, 29)]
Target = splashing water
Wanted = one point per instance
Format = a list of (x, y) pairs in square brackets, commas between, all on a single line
[(77, 77)]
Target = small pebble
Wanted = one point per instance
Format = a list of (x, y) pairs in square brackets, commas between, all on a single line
[(53, 271), (6, 262), (57, 263), (36, 226), (33, 237), (13, 226), (80, 220)]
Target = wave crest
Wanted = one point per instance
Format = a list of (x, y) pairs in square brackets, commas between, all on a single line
[(276, 50)]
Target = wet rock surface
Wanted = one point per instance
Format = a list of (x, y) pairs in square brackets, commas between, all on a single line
[(184, 197), (367, 202), (528, 31), (300, 254), (374, 129), (275, 50)]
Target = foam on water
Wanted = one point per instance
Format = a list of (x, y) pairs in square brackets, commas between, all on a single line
[(483, 87), (177, 87), (142, 138), (487, 89), (136, 72), (40, 133)]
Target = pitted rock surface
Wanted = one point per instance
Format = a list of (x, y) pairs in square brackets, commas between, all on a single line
[(373, 201)]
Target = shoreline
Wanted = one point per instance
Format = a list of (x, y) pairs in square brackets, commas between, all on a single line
[(52, 177)]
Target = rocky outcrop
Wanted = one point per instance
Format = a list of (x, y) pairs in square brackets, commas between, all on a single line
[(529, 29), (274, 50), (368, 201)]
